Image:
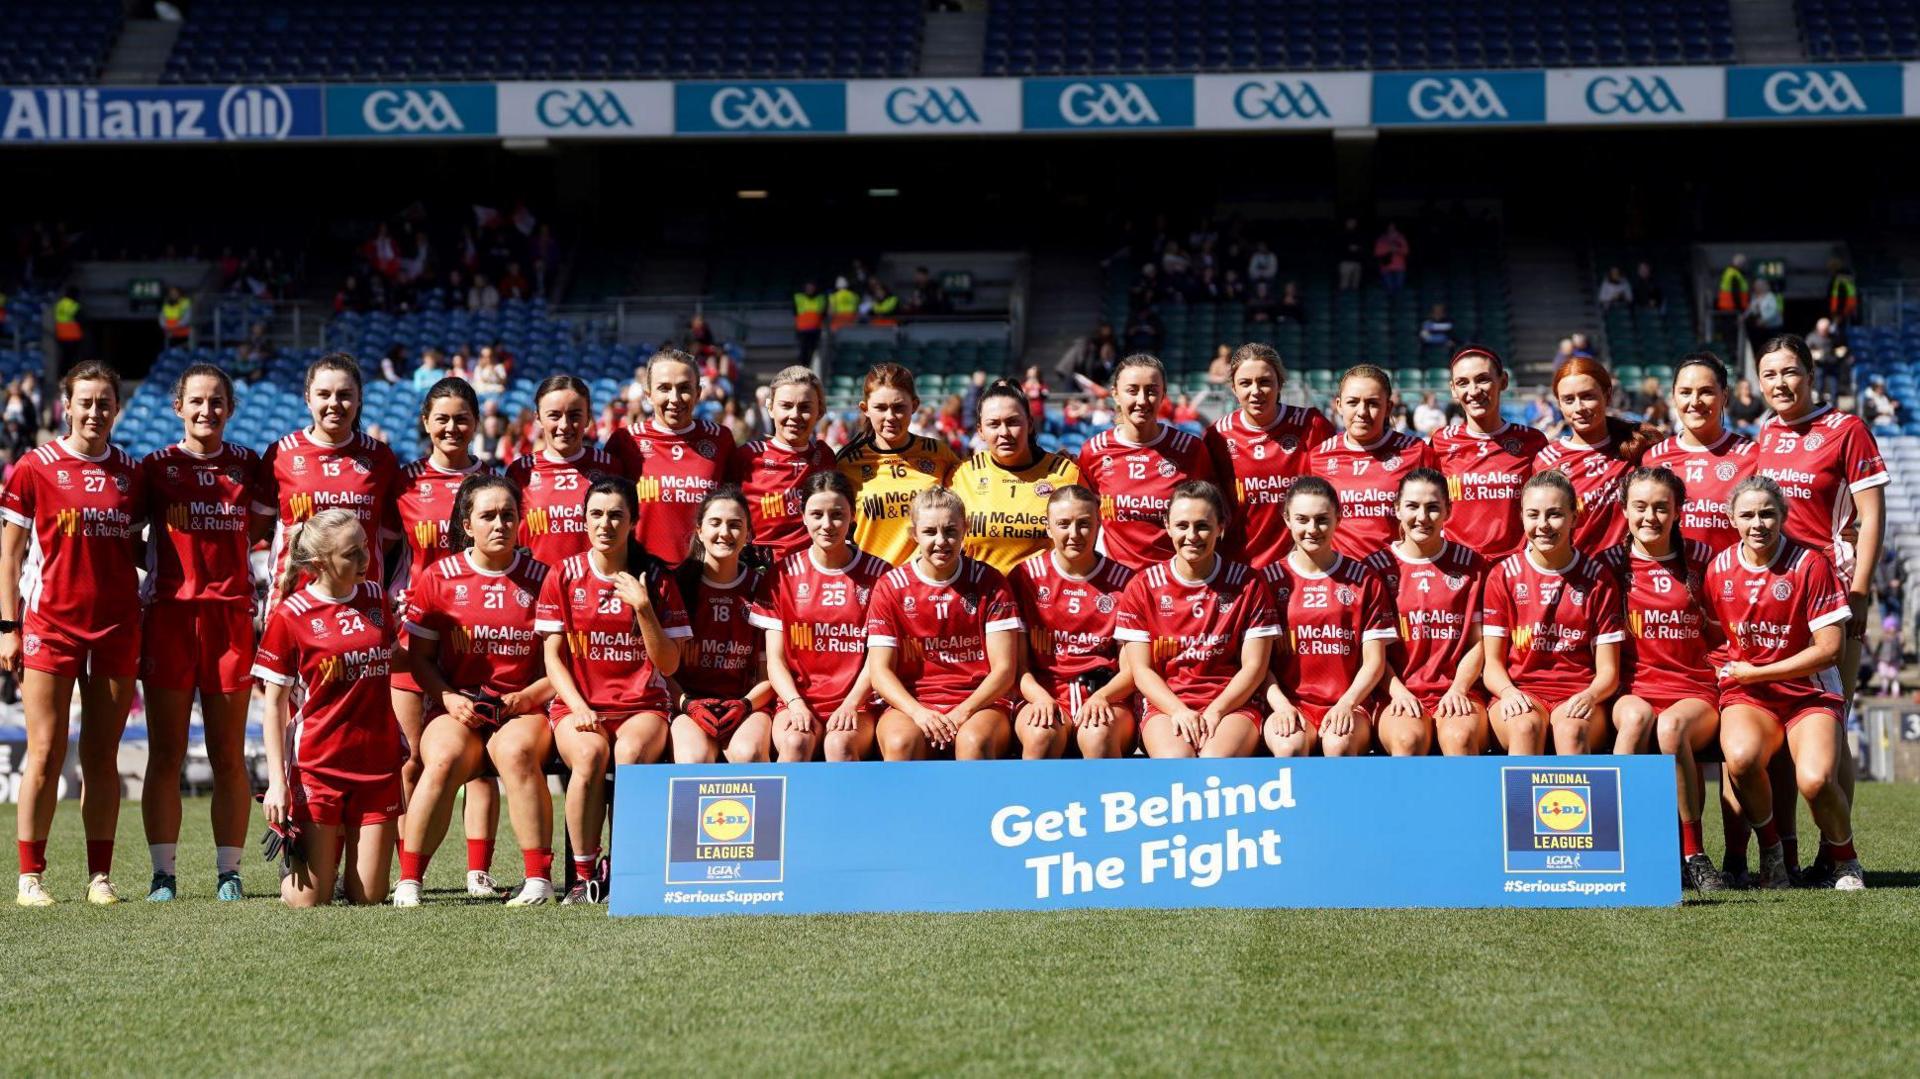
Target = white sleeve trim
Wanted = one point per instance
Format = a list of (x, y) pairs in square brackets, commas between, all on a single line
[(265, 510), (875, 640), (1879, 480), (1833, 617), (1137, 636), (1263, 631), (15, 517), (675, 633), (275, 677), (1005, 625), (1381, 635), (419, 630), (761, 621), (1488, 629), (542, 625), (1610, 638)]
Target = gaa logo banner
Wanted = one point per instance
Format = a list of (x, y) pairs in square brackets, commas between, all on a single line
[(1281, 101), (586, 110), (1460, 97), (1562, 820), (1642, 95), (1814, 91), (932, 106), (759, 108), (445, 110), (726, 830), (1095, 103)]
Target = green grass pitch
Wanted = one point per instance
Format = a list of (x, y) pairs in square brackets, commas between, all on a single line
[(1782, 982)]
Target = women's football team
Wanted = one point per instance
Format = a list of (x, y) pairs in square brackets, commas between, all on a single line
[(1275, 585)]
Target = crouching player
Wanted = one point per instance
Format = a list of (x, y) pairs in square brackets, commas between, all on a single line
[(1784, 612), (723, 698), (338, 783), (475, 658), (943, 645), (1197, 632), (1074, 689)]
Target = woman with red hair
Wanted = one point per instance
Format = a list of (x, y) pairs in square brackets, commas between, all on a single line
[(1595, 454)]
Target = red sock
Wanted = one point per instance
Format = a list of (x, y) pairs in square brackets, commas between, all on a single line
[(1690, 841), (539, 863), (413, 866), (479, 855), (1838, 852), (99, 856), (1768, 832), (33, 856), (583, 864), (399, 846)]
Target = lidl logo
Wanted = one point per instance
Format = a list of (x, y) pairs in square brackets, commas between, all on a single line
[(728, 830), (1562, 820)]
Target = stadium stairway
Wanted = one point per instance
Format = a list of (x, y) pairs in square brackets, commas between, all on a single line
[(1063, 308), (1765, 31), (139, 56), (953, 43), (1552, 298)]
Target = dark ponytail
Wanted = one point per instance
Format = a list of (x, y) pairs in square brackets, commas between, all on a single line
[(470, 488), (451, 386)]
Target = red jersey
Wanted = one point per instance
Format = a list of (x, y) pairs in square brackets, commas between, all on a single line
[(673, 471), (304, 477), (1328, 617), (199, 509), (1135, 485), (1668, 652), (483, 620), (1367, 479), (1196, 627), (1596, 473), (1484, 476), (422, 506), (554, 492), (1440, 601), (79, 513), (1257, 467), (1770, 612), (939, 629), (606, 655), (722, 663), (1069, 619), (338, 653), (824, 615), (1709, 474), (770, 473), (1819, 463), (1552, 620)]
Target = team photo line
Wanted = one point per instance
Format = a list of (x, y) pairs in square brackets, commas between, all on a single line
[(1277, 584)]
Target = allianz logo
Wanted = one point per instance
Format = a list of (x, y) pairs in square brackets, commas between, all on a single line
[(736, 107), (1278, 99), (1811, 91), (1106, 103), (930, 105), (411, 111), (1633, 95), (1454, 99), (581, 108), (255, 112)]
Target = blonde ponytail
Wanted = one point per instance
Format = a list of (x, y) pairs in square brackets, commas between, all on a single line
[(309, 542)]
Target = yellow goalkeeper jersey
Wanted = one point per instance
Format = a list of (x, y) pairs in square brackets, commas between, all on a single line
[(884, 483), (1006, 509)]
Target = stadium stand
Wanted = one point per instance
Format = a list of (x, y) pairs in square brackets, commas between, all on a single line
[(56, 41), (1642, 340), (1859, 29), (1036, 37), (235, 40)]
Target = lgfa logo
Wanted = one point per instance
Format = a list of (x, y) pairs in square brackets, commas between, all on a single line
[(1788, 92), (1277, 99), (737, 107), (1455, 99), (410, 110), (909, 106), (562, 109), (1633, 95), (1107, 104)]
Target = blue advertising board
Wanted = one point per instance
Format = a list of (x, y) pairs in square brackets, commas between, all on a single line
[(1814, 92), (1106, 103), (1046, 835), (159, 113), (759, 108), (1460, 97), (415, 110)]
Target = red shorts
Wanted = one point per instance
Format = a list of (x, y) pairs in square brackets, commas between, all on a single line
[(332, 803), (1313, 713), (204, 646), (1661, 701), (113, 652), (1786, 708), (1430, 702), (402, 677), (823, 708), (1149, 713), (660, 706)]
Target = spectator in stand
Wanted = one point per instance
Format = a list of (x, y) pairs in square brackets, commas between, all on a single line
[(1390, 253), (1746, 408), (1651, 404), (546, 257), (1220, 368), (881, 307), (1830, 361), (1148, 289), (1766, 315), (454, 296), (483, 298), (952, 425), (1174, 261), (1289, 310), (1878, 406), (1351, 252), (1437, 330), (353, 296), (489, 375), (1843, 294), (1262, 308), (377, 433), (1543, 416), (970, 404), (1094, 375), (1145, 332), (1615, 290), (1401, 417), (252, 356), (1186, 414), (1264, 265), (514, 284), (1205, 287), (1035, 388), (700, 339), (1233, 289), (382, 252), (734, 421), (430, 371), (926, 296), (1429, 416), (458, 366), (393, 363), (1647, 290), (1887, 658), (1580, 346)]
